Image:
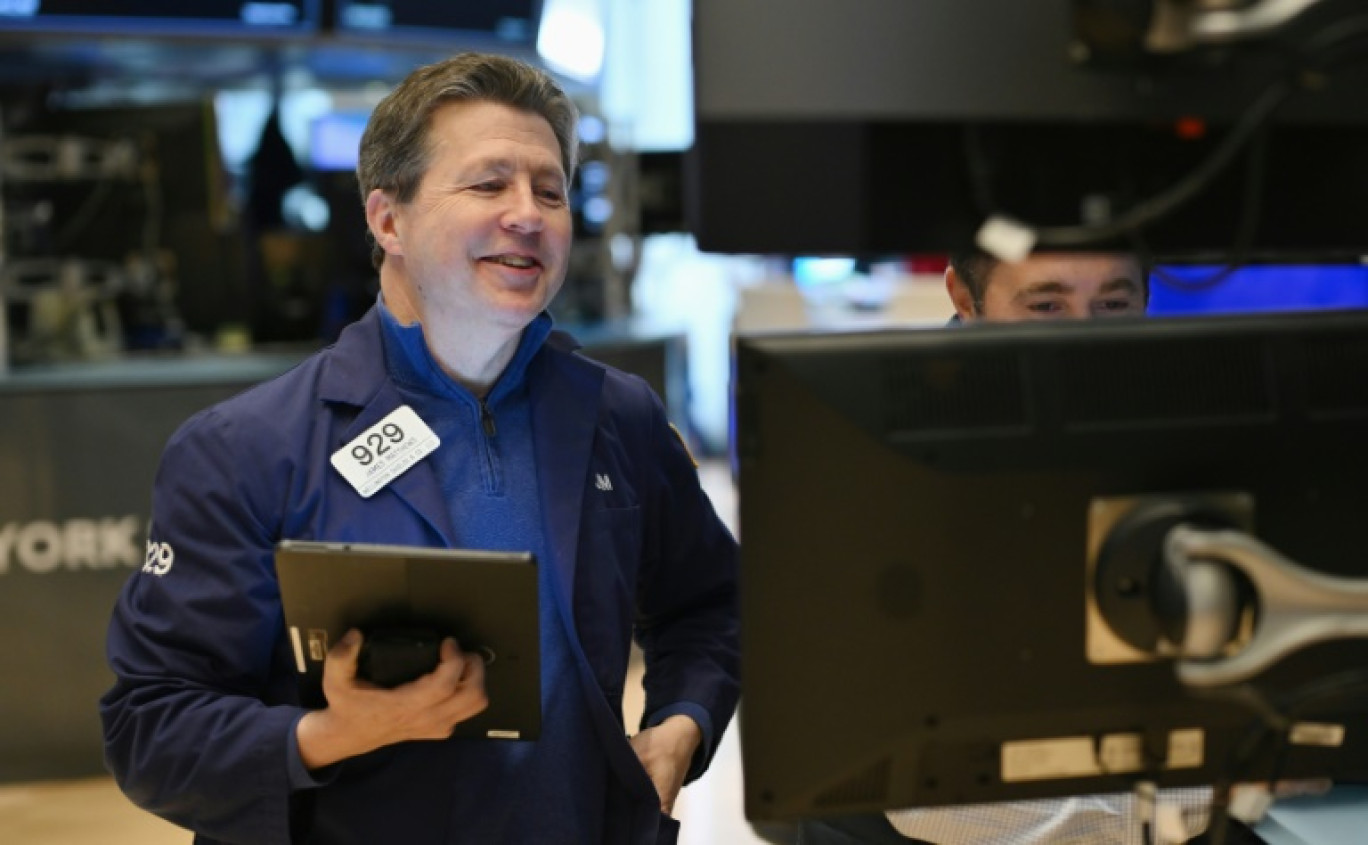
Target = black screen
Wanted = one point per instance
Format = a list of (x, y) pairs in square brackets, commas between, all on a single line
[(918, 511), (887, 127), (514, 21), (162, 16)]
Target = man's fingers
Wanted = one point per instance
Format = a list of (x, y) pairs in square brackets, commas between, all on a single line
[(465, 667), (470, 698), (451, 664), (473, 685), (341, 659), (450, 650), (473, 672)]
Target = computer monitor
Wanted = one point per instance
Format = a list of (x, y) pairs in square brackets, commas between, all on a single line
[(879, 127), (1199, 289), (931, 609), (506, 23), (158, 17)]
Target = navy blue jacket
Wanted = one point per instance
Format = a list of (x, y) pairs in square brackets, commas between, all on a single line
[(200, 723)]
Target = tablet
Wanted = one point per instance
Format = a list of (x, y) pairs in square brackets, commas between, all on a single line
[(408, 595)]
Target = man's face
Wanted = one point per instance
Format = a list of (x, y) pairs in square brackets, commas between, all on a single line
[(487, 236), (1064, 286)]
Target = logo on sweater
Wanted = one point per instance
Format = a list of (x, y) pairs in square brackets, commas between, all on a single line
[(603, 482), (160, 557)]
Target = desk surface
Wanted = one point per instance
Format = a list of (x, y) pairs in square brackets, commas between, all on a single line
[(1340, 817)]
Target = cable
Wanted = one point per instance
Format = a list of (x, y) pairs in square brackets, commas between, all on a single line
[(1268, 721), (1244, 231), (1156, 207), (1324, 40), (1315, 49), (1316, 53), (1272, 723), (1146, 795)]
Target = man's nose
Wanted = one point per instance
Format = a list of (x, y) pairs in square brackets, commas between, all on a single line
[(1077, 309), (524, 213)]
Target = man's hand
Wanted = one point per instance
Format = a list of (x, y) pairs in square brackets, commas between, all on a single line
[(362, 717), (665, 752)]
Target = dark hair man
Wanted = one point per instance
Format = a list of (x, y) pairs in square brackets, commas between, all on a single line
[(1047, 286)]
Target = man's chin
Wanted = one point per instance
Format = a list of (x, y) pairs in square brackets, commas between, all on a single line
[(518, 311)]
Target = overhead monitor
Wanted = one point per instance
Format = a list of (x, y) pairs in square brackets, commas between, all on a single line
[(945, 595), (493, 22), (156, 17), (894, 127)]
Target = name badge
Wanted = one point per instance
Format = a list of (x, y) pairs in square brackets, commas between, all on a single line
[(384, 451)]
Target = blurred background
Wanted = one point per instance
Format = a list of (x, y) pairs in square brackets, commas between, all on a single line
[(179, 218)]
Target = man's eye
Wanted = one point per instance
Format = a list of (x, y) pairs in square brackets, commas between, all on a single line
[(1114, 306), (488, 187), (552, 196), (1044, 307)]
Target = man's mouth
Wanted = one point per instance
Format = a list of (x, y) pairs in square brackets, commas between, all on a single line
[(518, 262)]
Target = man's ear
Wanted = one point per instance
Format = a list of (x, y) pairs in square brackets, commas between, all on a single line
[(960, 295), (382, 218)]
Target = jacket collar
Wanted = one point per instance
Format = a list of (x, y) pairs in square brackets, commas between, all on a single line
[(354, 369), (411, 364), (354, 375), (565, 393)]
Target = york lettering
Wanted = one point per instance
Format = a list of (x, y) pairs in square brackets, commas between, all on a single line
[(42, 547)]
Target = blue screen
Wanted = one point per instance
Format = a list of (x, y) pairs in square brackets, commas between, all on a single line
[(1200, 290), (335, 140)]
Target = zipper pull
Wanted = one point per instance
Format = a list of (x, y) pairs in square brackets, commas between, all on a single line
[(487, 420)]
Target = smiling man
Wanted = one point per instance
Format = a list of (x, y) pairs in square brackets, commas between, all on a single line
[(464, 172)]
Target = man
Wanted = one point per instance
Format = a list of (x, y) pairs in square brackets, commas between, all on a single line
[(464, 172), (1047, 286), (1044, 286)]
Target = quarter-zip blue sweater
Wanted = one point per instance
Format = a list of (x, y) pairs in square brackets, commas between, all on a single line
[(552, 790)]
